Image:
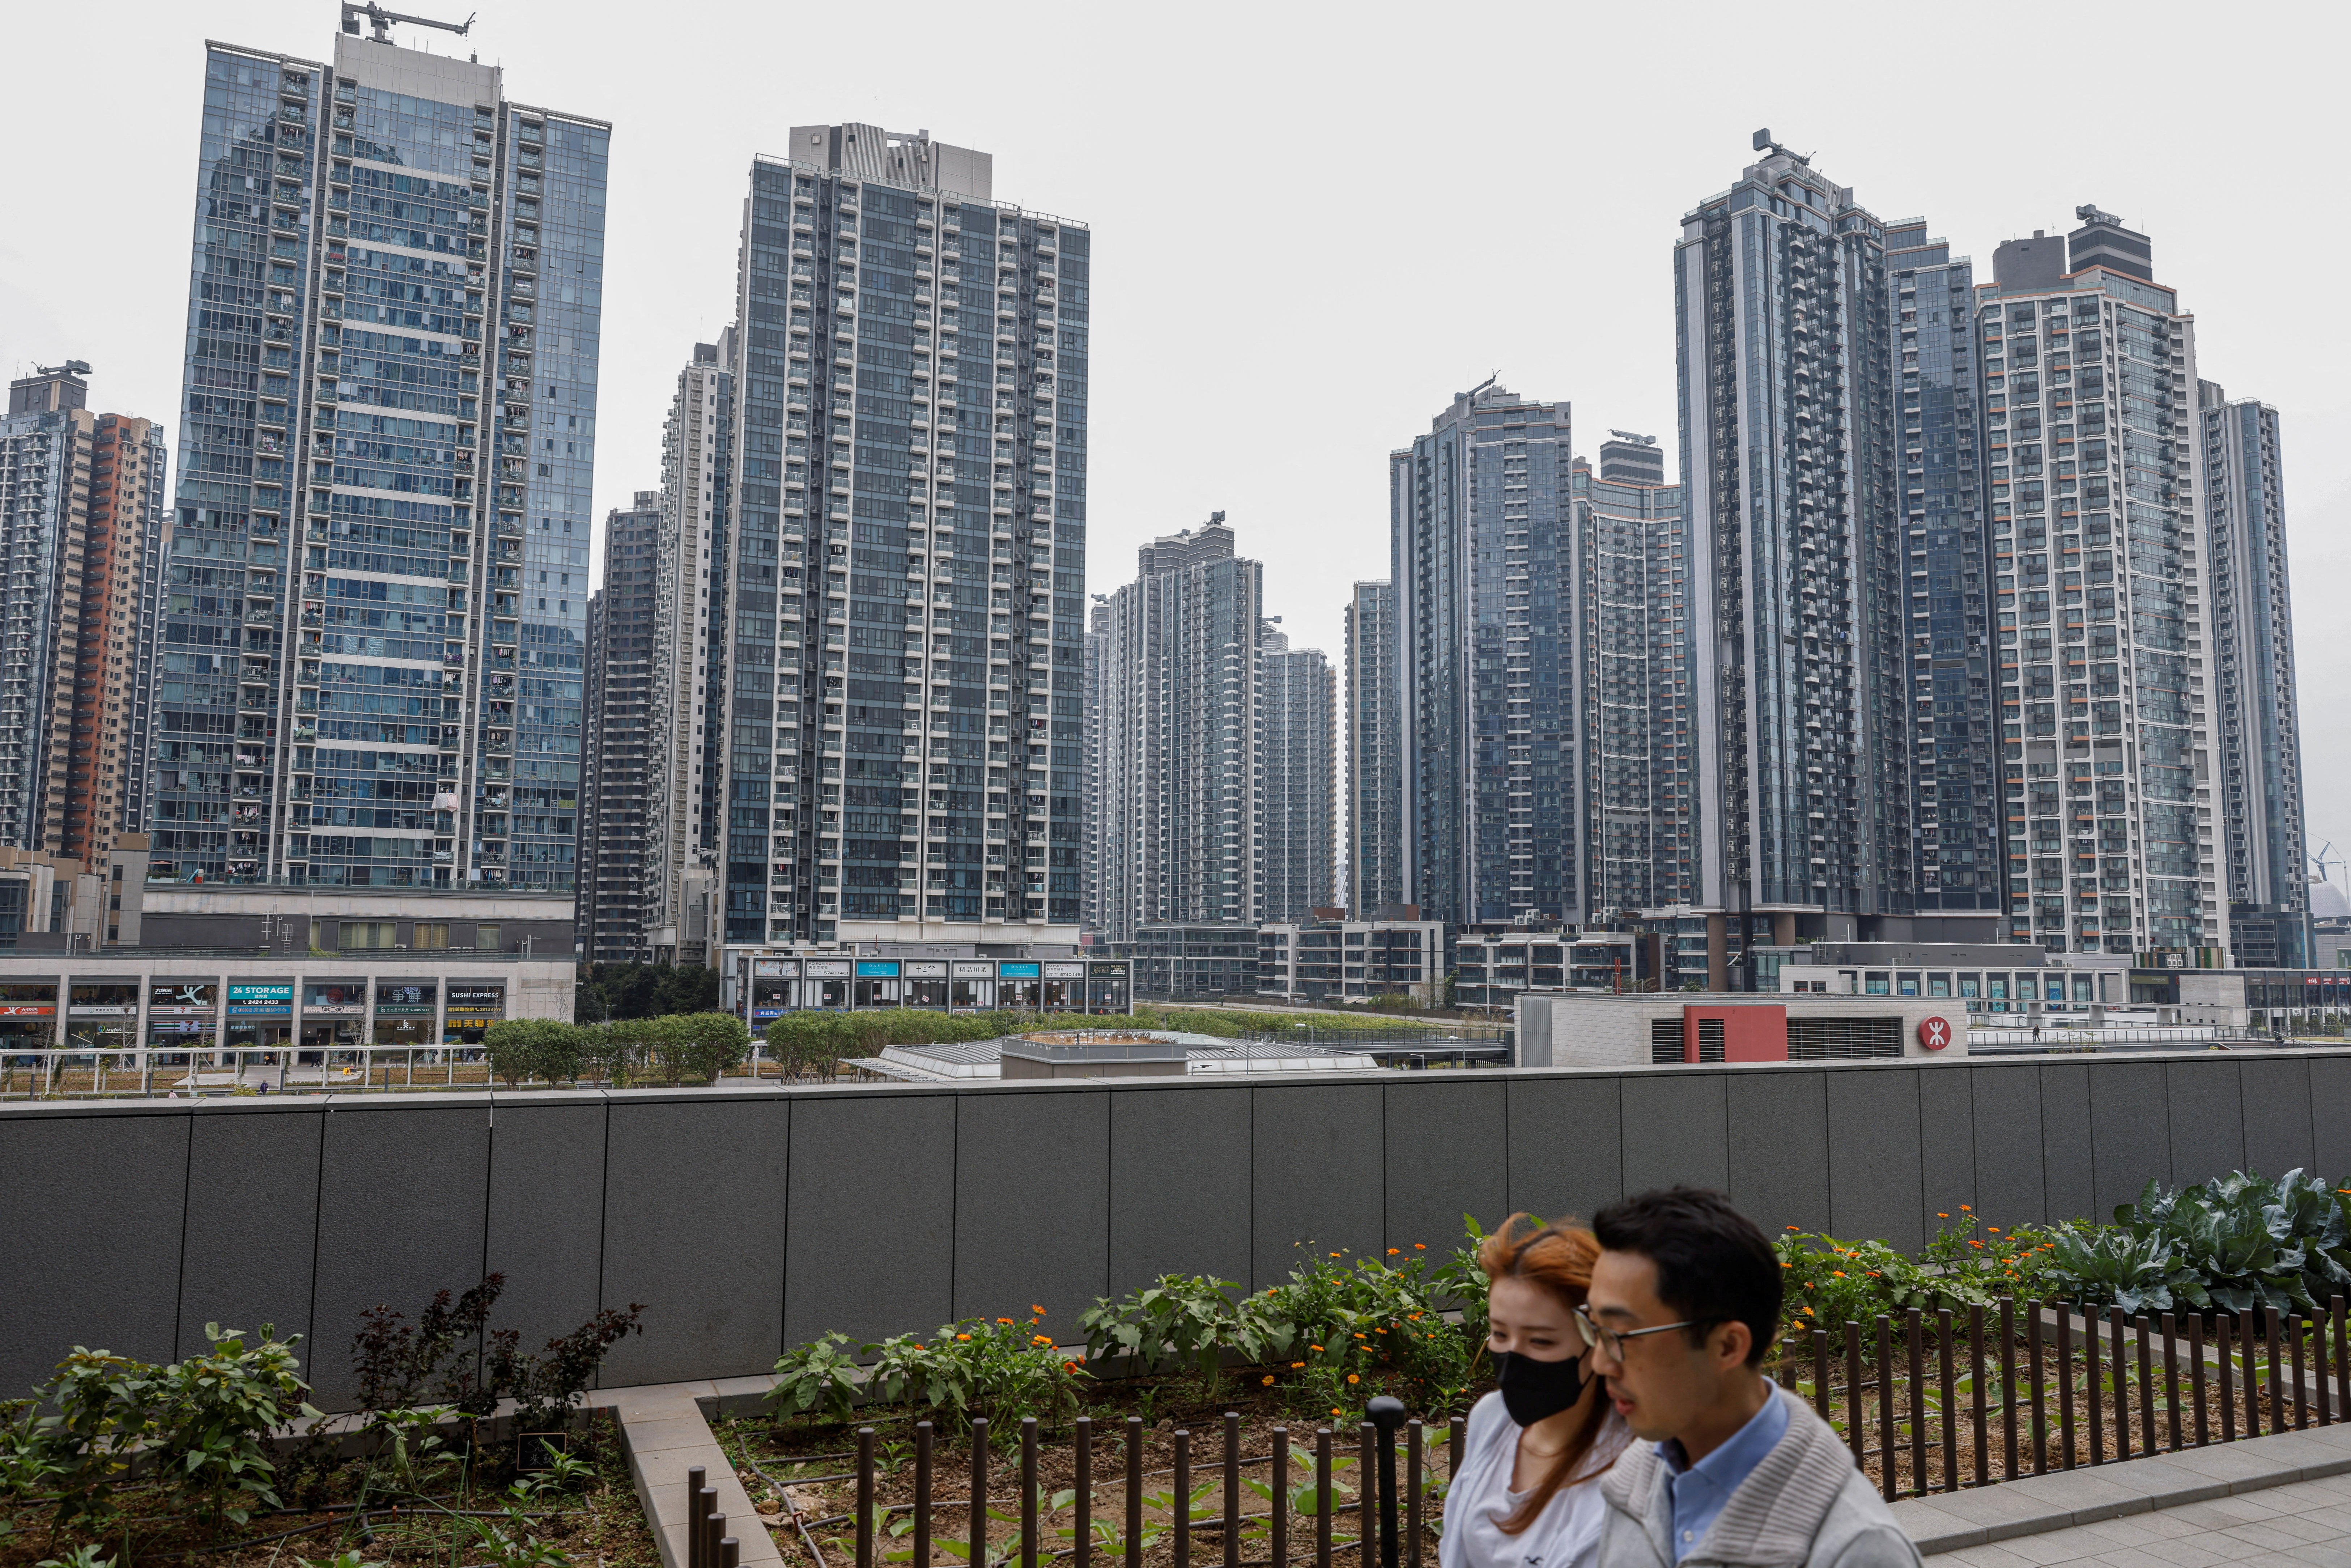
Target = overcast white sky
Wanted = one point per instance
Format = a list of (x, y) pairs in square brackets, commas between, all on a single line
[(1312, 224)]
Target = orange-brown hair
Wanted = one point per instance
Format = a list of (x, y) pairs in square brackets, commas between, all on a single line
[(1558, 1258)]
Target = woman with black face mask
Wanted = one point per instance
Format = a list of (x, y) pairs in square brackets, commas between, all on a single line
[(1528, 1492)]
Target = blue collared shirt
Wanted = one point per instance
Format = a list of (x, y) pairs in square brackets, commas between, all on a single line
[(1701, 1490)]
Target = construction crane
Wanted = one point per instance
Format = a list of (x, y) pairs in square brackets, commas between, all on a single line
[(382, 20), (2322, 861)]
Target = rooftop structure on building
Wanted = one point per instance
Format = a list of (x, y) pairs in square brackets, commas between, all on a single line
[(1103, 1054)]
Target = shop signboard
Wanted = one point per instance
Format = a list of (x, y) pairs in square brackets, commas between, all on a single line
[(28, 1000), (334, 998), (1065, 971), (397, 998), (182, 998), (922, 970), (776, 969), (477, 1002), (975, 969), (826, 968), (1109, 971), (877, 968), (260, 1001), (1017, 971)]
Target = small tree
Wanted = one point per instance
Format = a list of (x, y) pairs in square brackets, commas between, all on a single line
[(545, 1049), (698, 1047), (606, 1049)]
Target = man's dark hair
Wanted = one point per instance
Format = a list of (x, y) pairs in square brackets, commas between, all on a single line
[(1713, 1265)]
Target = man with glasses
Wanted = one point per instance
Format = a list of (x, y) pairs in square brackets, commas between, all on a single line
[(1684, 1303)]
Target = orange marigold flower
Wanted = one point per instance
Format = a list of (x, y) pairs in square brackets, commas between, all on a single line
[(1036, 1309), (1838, 1272), (1423, 1246), (1295, 1364), (1992, 1229), (1334, 1410), (1966, 1209), (1069, 1366), (1267, 1380), (963, 1336), (1334, 1254), (1004, 1320), (1975, 1243), (1940, 1215), (1314, 1347), (1809, 1312), (1353, 1378), (1791, 1228), (1393, 1250)]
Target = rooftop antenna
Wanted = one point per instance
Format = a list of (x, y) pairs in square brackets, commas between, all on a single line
[(71, 368), (381, 20)]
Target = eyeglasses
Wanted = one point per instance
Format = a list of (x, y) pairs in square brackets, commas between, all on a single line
[(1609, 1344)]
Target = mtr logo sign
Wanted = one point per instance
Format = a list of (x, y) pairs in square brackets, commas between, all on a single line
[(1935, 1033)]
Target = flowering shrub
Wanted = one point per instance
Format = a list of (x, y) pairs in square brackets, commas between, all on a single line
[(1001, 1368), (1969, 1264)]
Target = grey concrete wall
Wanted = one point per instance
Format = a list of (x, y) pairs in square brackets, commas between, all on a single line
[(749, 1219)]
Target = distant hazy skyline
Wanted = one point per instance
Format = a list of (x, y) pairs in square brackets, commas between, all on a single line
[(1313, 224)]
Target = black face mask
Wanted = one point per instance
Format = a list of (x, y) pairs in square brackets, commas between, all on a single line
[(1535, 1390)]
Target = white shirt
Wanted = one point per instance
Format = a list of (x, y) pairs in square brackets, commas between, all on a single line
[(1566, 1534)]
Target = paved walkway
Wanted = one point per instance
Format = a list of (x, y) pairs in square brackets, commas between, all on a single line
[(2303, 1524)]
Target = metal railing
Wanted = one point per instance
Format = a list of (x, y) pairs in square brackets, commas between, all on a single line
[(1939, 1402)]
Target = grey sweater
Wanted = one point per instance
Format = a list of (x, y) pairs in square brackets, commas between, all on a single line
[(1805, 1503)]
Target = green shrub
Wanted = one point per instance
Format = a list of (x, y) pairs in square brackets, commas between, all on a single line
[(203, 1423), (545, 1049), (1001, 1368)]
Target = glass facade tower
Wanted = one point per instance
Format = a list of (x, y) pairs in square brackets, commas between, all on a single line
[(2259, 713), (376, 588), (1628, 585), (1479, 542), (1183, 774), (613, 833), (1787, 420), (1374, 752), (1961, 870), (905, 596), (1298, 762)]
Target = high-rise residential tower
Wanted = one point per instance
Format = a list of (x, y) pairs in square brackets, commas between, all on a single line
[(615, 857), (1089, 852), (81, 496), (1801, 761), (2257, 713), (1479, 547), (2094, 462), (1373, 724), (1182, 738), (1625, 724), (689, 683), (1960, 874), (372, 640), (908, 550), (1300, 776)]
